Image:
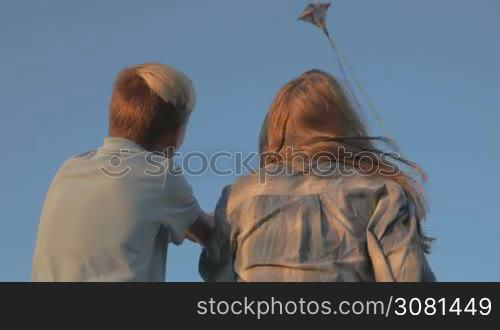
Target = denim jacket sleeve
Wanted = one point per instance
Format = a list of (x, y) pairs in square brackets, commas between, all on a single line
[(216, 260), (394, 240)]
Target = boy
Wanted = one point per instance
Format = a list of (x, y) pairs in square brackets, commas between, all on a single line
[(111, 212)]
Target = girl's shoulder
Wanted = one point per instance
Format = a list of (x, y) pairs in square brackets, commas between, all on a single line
[(349, 187)]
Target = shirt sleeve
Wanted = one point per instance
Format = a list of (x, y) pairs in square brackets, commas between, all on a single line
[(394, 240), (181, 205), (216, 260)]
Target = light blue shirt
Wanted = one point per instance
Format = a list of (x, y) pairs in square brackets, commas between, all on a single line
[(109, 215)]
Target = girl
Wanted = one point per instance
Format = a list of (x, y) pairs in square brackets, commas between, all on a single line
[(326, 205)]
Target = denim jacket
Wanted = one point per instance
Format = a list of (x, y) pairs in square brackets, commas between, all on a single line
[(310, 228)]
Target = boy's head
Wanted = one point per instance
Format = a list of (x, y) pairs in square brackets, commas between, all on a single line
[(151, 104)]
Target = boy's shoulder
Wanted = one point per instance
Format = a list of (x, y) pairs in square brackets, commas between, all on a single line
[(74, 160), (84, 155)]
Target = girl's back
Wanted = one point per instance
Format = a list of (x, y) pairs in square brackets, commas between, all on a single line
[(311, 228), (359, 222)]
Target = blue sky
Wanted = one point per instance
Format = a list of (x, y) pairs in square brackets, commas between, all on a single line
[(430, 66)]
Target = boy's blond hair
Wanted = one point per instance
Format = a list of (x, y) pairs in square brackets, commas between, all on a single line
[(150, 102)]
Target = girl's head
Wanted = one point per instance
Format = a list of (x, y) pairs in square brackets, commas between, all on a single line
[(312, 115)]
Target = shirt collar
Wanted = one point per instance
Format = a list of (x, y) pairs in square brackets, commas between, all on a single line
[(115, 144)]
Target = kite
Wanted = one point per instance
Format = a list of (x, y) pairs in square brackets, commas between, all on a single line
[(316, 13)]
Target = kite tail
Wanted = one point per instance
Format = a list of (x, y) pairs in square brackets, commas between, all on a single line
[(387, 139), (369, 101), (351, 90)]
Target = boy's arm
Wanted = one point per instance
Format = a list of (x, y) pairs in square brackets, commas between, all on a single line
[(199, 231), (183, 217)]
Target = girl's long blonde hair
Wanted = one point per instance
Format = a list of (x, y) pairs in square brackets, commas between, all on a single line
[(312, 114)]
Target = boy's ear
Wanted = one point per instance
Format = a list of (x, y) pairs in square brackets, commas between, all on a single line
[(172, 141), (179, 136)]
